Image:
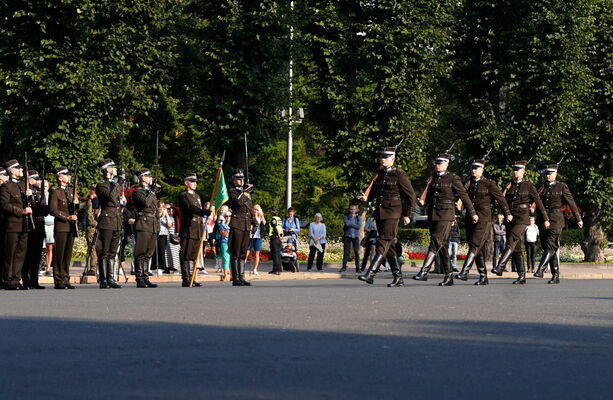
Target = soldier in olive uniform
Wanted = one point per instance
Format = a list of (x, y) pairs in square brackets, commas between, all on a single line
[(240, 227), (441, 189), (111, 199), (13, 203), (482, 192), (146, 227), (92, 210), (61, 200), (389, 188), (192, 226), (4, 177), (36, 237), (519, 194), (554, 194)]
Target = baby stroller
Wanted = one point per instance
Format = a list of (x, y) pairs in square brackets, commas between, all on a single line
[(289, 260)]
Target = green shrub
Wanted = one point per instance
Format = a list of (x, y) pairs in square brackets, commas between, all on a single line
[(415, 236), (571, 236)]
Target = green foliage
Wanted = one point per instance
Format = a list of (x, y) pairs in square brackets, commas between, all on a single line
[(571, 237), (415, 236)]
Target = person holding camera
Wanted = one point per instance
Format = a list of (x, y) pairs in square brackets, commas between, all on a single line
[(241, 224), (111, 199), (146, 226)]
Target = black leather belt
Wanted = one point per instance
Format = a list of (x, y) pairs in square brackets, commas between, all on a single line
[(146, 215), (443, 202), (390, 198)]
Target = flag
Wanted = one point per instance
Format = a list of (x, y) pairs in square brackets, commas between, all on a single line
[(221, 191)]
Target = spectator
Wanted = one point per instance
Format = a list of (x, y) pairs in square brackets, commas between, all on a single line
[(49, 239), (291, 225), (370, 241), (351, 237), (172, 252), (92, 210), (500, 238), (255, 238), (166, 222), (317, 242), (223, 252), (530, 238), (454, 241)]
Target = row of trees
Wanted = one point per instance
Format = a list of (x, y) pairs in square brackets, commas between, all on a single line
[(84, 79)]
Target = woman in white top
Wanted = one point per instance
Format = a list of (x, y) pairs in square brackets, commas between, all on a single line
[(317, 242), (255, 238), (531, 236)]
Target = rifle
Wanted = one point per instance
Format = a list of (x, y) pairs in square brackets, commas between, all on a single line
[(72, 208), (29, 218), (43, 199)]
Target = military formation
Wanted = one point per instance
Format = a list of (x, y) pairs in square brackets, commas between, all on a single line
[(26, 198)]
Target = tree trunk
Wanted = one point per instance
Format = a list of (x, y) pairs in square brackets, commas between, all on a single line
[(594, 239)]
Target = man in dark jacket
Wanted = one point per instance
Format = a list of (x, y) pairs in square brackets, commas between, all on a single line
[(36, 237), (519, 194), (146, 227), (388, 189), (240, 227), (4, 177), (441, 189), (554, 194), (13, 204), (192, 226)]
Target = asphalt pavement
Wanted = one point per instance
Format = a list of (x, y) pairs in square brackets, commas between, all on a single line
[(310, 339)]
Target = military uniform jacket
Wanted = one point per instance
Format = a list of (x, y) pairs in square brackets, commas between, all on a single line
[(12, 204), (108, 194), (519, 197), (191, 215), (387, 191), (59, 199), (553, 197), (39, 209), (145, 202), (440, 197), (242, 210), (483, 193)]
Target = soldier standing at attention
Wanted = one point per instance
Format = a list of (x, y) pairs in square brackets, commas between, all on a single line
[(146, 227), (192, 226), (482, 192), (4, 177), (13, 203), (441, 189), (240, 227), (59, 199), (519, 193), (36, 237), (110, 198), (388, 189), (554, 194)]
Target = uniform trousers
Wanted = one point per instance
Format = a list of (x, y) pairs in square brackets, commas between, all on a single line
[(550, 239), (15, 248), (439, 234), (275, 253), (145, 245), (388, 229), (189, 248), (108, 243), (29, 272), (237, 242), (62, 255)]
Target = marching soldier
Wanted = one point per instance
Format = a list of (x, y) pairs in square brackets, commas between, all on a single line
[(554, 194), (389, 187), (519, 193), (4, 177), (240, 227), (13, 203), (481, 191), (36, 237), (110, 198), (439, 198), (192, 226), (146, 227), (64, 230)]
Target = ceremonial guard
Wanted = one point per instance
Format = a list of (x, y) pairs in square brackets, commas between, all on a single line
[(439, 198), (4, 177), (388, 189), (192, 226), (519, 194), (36, 237), (482, 192), (553, 194), (111, 198), (13, 201), (63, 205), (240, 227), (146, 227)]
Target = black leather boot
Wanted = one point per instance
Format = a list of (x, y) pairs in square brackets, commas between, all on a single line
[(482, 271), (396, 272), (146, 280), (503, 262), (422, 275), (139, 272), (190, 271), (545, 258), (555, 270), (241, 272), (110, 273), (468, 263), (102, 273), (234, 269), (521, 269), (448, 280), (375, 264)]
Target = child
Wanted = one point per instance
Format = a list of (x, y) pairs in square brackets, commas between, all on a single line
[(223, 230)]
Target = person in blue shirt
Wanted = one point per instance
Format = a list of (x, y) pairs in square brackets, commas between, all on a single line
[(291, 225), (351, 238), (222, 233)]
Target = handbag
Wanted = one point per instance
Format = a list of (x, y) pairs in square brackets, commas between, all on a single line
[(363, 241), (174, 238)]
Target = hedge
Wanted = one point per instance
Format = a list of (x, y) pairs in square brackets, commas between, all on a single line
[(414, 235)]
